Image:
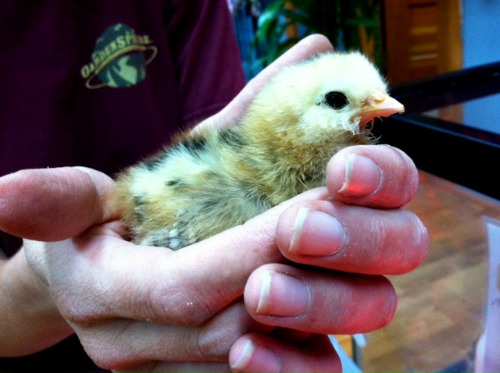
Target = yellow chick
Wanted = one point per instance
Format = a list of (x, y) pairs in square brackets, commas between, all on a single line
[(207, 182)]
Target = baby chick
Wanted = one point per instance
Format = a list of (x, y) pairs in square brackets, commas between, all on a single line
[(207, 182)]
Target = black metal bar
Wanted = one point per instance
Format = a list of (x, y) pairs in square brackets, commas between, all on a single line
[(448, 89), (457, 152), (469, 157)]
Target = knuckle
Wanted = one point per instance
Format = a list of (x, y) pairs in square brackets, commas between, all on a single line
[(420, 239), (180, 306), (77, 310), (216, 337), (106, 357), (109, 345), (411, 247)]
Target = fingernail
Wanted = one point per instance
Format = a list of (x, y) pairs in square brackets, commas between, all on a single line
[(256, 358), (362, 176), (316, 234), (283, 295)]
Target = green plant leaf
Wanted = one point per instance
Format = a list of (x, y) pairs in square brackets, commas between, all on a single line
[(270, 13), (337, 20)]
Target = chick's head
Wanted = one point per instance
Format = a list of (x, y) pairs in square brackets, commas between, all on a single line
[(330, 93)]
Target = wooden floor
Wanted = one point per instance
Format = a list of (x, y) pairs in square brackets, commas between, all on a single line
[(441, 304)]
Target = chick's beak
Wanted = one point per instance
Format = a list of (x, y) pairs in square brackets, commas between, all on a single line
[(383, 107)]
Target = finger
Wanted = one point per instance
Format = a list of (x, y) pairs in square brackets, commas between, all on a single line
[(164, 286), (232, 113), (352, 238), (122, 344), (184, 367), (41, 204), (259, 353), (319, 302), (372, 175)]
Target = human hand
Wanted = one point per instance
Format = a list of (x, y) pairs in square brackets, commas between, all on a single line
[(65, 267), (132, 307), (356, 231), (61, 260), (172, 309), (367, 185)]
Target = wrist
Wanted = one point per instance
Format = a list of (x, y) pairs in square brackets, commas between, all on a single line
[(30, 320)]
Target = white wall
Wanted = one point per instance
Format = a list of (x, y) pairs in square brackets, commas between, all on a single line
[(481, 40)]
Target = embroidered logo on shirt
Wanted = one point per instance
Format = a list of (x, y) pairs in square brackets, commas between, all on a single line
[(119, 59)]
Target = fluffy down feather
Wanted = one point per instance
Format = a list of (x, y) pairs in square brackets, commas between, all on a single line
[(206, 182)]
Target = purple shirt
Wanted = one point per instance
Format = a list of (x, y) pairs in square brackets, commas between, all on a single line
[(105, 83)]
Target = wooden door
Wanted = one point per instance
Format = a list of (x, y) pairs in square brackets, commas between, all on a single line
[(423, 38)]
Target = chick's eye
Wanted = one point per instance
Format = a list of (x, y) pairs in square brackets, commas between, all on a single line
[(336, 100)]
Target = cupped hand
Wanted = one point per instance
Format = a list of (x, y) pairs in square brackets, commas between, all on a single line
[(132, 307), (241, 300), (138, 307), (152, 309), (348, 238)]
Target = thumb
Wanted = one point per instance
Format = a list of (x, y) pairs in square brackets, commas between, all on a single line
[(183, 287), (53, 204)]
